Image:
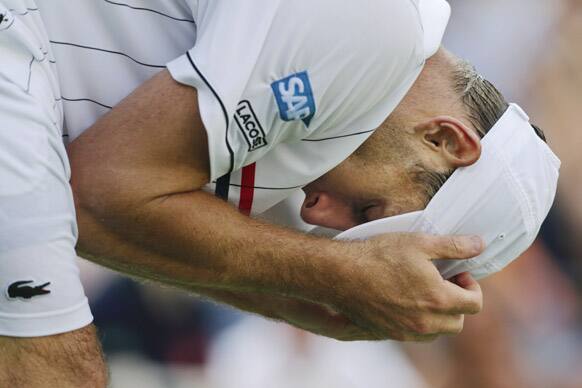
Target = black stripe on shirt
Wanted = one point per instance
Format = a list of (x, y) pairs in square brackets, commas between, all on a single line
[(108, 51), (222, 187), (150, 10), (338, 137), (224, 112), (86, 100), (223, 183)]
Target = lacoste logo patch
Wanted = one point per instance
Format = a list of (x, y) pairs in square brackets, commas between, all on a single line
[(20, 289), (294, 97), (249, 124)]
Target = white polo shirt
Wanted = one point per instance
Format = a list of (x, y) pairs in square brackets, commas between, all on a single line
[(286, 106), (284, 97), (287, 89)]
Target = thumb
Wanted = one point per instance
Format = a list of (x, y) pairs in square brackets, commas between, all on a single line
[(453, 247)]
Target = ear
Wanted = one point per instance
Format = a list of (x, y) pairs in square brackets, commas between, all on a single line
[(458, 144)]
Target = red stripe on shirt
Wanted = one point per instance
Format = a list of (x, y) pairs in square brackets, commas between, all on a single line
[(247, 190)]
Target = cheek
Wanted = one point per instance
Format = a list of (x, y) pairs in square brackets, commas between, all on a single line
[(411, 198), (403, 196)]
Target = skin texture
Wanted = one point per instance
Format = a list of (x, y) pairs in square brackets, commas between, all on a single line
[(429, 130), (346, 197), (141, 211), (70, 360)]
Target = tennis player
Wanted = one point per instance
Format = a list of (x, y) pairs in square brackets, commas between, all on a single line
[(249, 103)]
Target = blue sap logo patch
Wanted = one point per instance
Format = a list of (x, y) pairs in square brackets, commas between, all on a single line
[(295, 98)]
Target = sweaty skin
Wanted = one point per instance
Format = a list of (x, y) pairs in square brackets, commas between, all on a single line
[(137, 178)]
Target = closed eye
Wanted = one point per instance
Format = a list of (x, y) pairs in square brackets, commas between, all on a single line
[(369, 213)]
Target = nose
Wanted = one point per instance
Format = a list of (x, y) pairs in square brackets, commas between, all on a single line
[(323, 209)]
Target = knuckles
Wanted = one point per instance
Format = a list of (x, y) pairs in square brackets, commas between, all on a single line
[(477, 307), (438, 302), (454, 246), (423, 327), (459, 328), (427, 328)]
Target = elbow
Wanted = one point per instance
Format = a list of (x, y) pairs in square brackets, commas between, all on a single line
[(96, 204), (95, 186), (88, 203)]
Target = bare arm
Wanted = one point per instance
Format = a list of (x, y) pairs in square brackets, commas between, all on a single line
[(70, 360), (164, 189), (300, 313), (137, 175)]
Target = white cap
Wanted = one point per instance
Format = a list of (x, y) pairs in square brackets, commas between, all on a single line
[(504, 198)]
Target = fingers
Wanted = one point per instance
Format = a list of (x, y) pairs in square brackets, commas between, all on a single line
[(457, 297), (451, 325), (354, 333), (437, 326), (466, 281), (449, 304), (421, 305), (448, 325), (454, 325), (451, 247), (322, 320), (341, 328), (464, 295)]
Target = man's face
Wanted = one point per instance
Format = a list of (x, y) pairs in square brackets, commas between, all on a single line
[(394, 172), (359, 191), (429, 132)]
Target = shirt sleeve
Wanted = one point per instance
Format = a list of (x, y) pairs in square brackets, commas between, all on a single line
[(41, 293), (271, 72)]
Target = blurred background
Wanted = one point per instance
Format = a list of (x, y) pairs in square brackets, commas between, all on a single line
[(530, 332)]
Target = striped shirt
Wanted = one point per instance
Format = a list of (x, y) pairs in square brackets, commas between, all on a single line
[(283, 100)]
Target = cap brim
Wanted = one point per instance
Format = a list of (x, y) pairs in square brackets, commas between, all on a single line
[(399, 223), (503, 197)]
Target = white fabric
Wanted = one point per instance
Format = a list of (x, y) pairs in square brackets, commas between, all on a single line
[(360, 59), (359, 67), (504, 198), (240, 56), (37, 217)]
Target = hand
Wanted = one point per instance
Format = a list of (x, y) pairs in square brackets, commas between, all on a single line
[(321, 320), (302, 314), (390, 288)]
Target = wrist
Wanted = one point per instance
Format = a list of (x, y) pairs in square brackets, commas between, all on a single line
[(299, 265)]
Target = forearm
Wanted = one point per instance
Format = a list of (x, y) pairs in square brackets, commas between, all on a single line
[(310, 316), (69, 360), (195, 240), (137, 174)]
